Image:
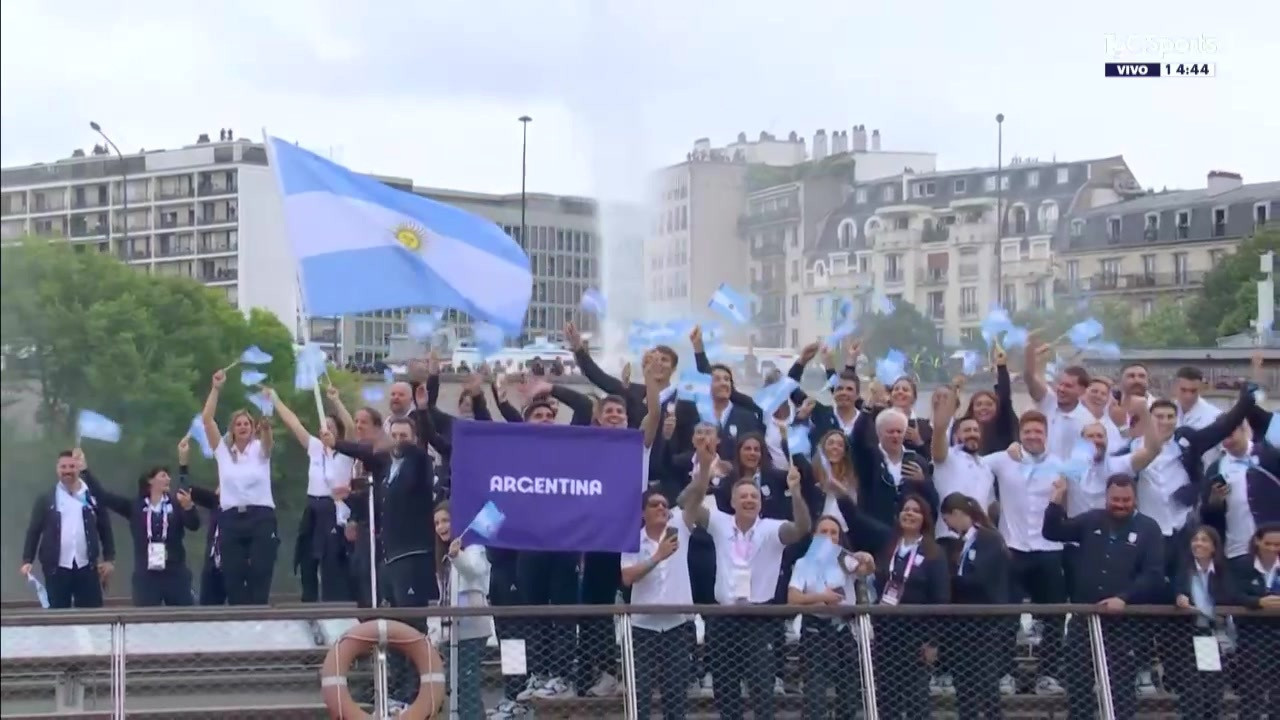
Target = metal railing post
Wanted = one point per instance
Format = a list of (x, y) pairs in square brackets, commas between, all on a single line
[(862, 635), (1101, 672), (381, 692), (631, 703), (118, 670)]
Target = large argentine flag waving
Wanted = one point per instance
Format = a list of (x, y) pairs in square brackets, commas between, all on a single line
[(362, 246)]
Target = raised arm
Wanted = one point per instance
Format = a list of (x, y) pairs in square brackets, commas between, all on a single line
[(1222, 426), (1005, 425), (265, 436), (1057, 526), (793, 531), (1152, 442), (365, 453), (506, 409), (339, 409), (690, 500), (580, 404), (653, 408), (590, 370), (211, 409), (117, 504), (946, 403), (290, 419), (1031, 371)]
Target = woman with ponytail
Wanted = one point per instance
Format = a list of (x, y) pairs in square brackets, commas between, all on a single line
[(979, 576)]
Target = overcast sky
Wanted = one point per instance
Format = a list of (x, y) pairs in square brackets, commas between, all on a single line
[(432, 90)]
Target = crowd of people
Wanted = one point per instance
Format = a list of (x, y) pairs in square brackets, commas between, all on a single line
[(1102, 494)]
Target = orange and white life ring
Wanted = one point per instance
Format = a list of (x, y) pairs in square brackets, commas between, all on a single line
[(365, 637)]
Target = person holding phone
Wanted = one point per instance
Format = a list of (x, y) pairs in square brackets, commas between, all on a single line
[(158, 518)]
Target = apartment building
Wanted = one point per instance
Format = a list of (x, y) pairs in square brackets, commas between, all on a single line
[(1159, 246), (934, 239), (207, 211)]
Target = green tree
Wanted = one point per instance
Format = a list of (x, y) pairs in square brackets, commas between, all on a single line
[(1229, 299), (1165, 327), (905, 330), (83, 331)]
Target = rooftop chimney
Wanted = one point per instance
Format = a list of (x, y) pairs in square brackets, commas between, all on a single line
[(1221, 181), (77, 153), (859, 138), (839, 142), (820, 145), (875, 140), (204, 138)]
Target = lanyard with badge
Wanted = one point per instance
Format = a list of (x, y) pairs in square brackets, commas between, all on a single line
[(157, 552), (967, 552), (893, 590), (741, 577)]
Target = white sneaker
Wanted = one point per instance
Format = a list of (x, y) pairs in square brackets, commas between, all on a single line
[(702, 687), (947, 684), (553, 689), (1146, 685), (606, 686), (507, 710), (935, 687), (531, 686), (779, 688), (395, 707), (1008, 686), (1048, 686)]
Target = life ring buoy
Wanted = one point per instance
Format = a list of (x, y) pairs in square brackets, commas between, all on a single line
[(365, 637)]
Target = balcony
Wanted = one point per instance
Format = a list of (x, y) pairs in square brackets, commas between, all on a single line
[(897, 239), (968, 272), (173, 193), (214, 248), (221, 187), (768, 317), (937, 312), (772, 248), (767, 285), (49, 203), (933, 276), (86, 202), (935, 234), (968, 311), (170, 251), (219, 275), (174, 222), (894, 277), (1107, 282), (757, 219), (84, 231), (138, 254)]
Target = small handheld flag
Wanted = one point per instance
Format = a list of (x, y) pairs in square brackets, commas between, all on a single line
[(37, 588), (421, 327), (251, 377), (253, 355), (95, 426), (771, 397), (487, 522), (197, 433), (731, 304), (489, 339), (593, 302), (372, 394), (263, 403)]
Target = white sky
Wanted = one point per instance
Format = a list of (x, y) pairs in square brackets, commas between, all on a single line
[(432, 90)]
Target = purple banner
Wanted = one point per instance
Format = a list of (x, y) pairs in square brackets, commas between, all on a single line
[(561, 488)]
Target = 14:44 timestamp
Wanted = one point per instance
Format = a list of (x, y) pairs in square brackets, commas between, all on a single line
[(1188, 69)]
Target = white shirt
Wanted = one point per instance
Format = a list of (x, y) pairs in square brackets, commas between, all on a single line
[(469, 575), (667, 583), (1268, 576), (763, 560), (846, 427), (966, 474), (327, 470), (808, 579), (1156, 485), (1090, 491), (1023, 501), (1240, 525), (1065, 426), (245, 479), (74, 548), (895, 468)]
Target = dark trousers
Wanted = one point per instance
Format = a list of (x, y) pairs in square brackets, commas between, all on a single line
[(597, 649), (973, 646), (549, 578), (1259, 645), (1122, 668), (171, 586), (902, 678), (702, 584), (213, 589), (320, 554), (737, 651), (1038, 575), (79, 587), (829, 658), (663, 661), (248, 543), (412, 582), (504, 592), (470, 677)]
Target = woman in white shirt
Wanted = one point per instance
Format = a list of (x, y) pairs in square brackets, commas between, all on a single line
[(463, 574), (829, 575), (247, 534), (320, 556)]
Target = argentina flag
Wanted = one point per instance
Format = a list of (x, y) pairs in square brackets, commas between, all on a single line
[(362, 245)]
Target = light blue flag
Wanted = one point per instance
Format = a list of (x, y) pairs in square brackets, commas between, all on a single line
[(706, 409), (253, 355), (996, 323), (372, 394), (1273, 430), (197, 433), (388, 376), (970, 362), (1082, 332), (664, 334), (421, 327), (771, 397), (820, 558), (420, 252), (731, 304), (593, 302), (897, 357), (711, 332), (798, 440), (487, 522), (693, 384), (846, 328), (310, 366), (94, 426), (1104, 349), (889, 372), (251, 377), (832, 381), (263, 403), (1015, 337), (489, 339), (715, 350), (37, 589)]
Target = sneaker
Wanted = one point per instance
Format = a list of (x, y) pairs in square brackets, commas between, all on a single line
[(507, 710), (606, 686), (1048, 686), (1008, 686), (935, 687), (779, 688), (395, 707), (702, 688), (1146, 685), (532, 686), (947, 684), (553, 689)]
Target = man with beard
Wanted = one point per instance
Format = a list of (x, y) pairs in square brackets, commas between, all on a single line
[(958, 469)]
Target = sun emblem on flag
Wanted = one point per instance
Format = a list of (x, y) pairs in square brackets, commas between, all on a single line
[(411, 236)]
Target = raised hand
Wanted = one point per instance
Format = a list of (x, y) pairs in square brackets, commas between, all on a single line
[(793, 479), (1059, 492), (184, 450), (219, 378), (625, 376), (695, 338), (184, 499), (78, 455), (809, 352), (572, 337)]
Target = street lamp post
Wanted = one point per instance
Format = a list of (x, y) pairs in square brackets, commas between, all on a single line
[(999, 205), (124, 190), (524, 168)]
